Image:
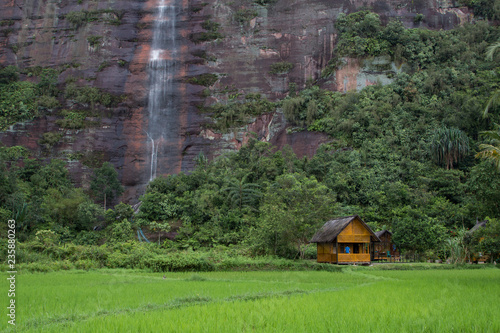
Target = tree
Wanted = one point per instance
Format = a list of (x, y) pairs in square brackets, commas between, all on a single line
[(105, 183), (488, 239), (295, 206), (242, 194), (491, 152), (449, 145), (495, 98), (88, 214), (61, 206), (48, 82), (459, 246), (155, 226), (484, 184), (415, 231)]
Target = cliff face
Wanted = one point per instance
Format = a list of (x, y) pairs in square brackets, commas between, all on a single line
[(111, 49)]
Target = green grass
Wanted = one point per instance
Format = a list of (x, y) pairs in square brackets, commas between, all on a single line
[(353, 301)]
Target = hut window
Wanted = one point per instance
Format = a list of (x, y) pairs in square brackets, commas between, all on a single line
[(355, 248)]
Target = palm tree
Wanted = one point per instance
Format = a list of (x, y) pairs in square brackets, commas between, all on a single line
[(449, 145), (491, 151), (490, 51), (242, 193)]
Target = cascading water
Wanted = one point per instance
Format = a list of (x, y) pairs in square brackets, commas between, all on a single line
[(162, 99)]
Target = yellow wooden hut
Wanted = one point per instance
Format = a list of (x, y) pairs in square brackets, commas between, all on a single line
[(345, 240)]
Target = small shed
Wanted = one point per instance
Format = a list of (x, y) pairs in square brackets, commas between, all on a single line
[(385, 249), (479, 256), (344, 240)]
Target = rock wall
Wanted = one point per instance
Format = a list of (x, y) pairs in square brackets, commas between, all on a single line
[(295, 31)]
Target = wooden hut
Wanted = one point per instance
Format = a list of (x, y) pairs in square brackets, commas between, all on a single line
[(479, 256), (385, 249), (345, 240)]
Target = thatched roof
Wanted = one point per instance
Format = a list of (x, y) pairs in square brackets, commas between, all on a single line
[(478, 225), (333, 228), (381, 232)]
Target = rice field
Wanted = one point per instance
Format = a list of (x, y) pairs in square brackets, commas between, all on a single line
[(355, 300)]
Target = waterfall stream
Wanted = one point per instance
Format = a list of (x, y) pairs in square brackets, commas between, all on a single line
[(162, 128)]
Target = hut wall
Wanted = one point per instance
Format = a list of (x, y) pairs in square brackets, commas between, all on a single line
[(327, 252), (355, 232)]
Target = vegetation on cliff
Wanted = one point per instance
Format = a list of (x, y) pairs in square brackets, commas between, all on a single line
[(401, 155)]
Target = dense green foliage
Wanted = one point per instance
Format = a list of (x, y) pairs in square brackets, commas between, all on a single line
[(211, 33), (244, 15), (206, 79), (24, 100), (237, 112), (281, 67), (402, 156), (80, 18)]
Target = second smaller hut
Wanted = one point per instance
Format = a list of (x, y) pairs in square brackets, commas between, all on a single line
[(385, 249)]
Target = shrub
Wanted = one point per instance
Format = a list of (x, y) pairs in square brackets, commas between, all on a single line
[(200, 37), (210, 26), (87, 238), (282, 67), (48, 102), (51, 138), (206, 79), (242, 16), (46, 237), (17, 103), (94, 40), (77, 18), (9, 74), (103, 65), (418, 18), (72, 120), (204, 55)]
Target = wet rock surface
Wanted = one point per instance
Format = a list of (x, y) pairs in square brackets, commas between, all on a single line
[(253, 37)]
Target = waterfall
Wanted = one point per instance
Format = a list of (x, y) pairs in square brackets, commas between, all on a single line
[(163, 64)]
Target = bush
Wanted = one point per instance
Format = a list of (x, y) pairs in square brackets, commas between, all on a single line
[(51, 138), (77, 18), (87, 238), (121, 232), (72, 120), (17, 103), (9, 74), (204, 36), (46, 237), (210, 26), (244, 15), (282, 67), (48, 102), (94, 40), (206, 79)]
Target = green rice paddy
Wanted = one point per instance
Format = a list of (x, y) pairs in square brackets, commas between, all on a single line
[(355, 300)]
